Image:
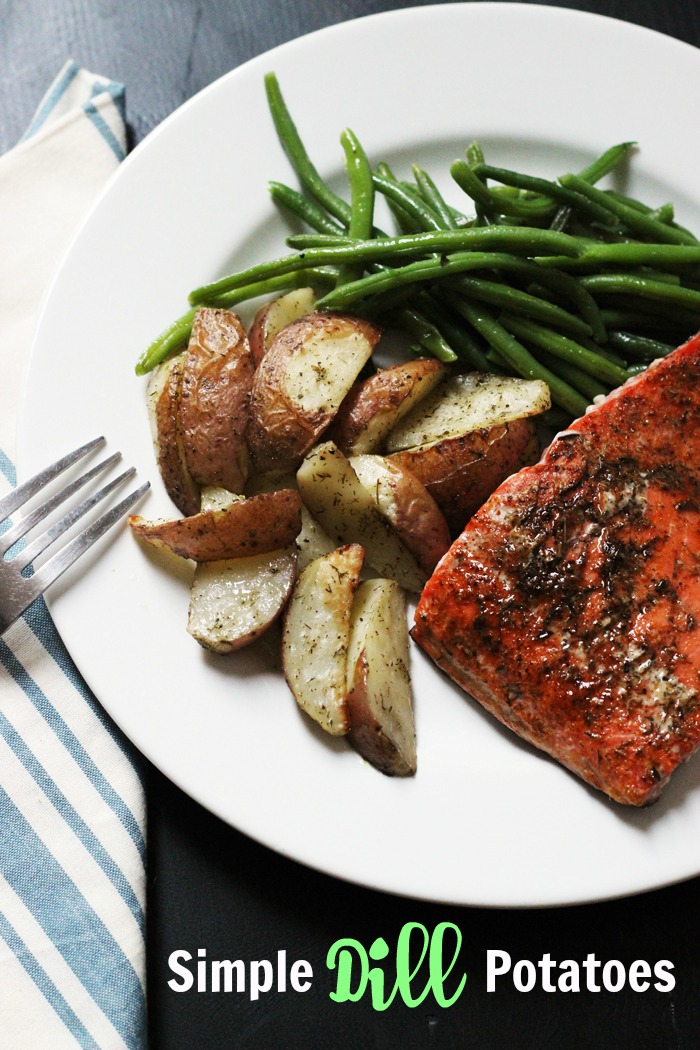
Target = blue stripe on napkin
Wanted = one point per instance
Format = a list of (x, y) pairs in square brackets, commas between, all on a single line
[(52, 97), (65, 913), (45, 985), (90, 942), (104, 129), (63, 807), (72, 820)]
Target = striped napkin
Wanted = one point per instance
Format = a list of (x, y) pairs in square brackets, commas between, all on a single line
[(72, 813)]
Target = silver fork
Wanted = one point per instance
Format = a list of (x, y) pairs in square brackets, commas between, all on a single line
[(17, 591)]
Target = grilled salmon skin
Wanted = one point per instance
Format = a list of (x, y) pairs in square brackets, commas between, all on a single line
[(570, 605)]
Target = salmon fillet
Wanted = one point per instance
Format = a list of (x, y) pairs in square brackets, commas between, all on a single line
[(570, 605)]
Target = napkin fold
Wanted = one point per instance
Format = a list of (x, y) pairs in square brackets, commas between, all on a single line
[(72, 811)]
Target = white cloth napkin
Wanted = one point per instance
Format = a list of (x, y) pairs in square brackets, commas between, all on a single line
[(72, 813)]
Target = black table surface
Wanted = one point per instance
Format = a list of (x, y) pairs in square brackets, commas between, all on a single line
[(209, 886)]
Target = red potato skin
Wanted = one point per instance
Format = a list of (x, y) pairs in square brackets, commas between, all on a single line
[(180, 486), (422, 525), (411, 510), (366, 734), (217, 377), (382, 395), (460, 473), (280, 432), (292, 305), (252, 526)]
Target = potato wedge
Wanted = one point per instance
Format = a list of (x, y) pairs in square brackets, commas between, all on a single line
[(300, 384), (312, 541), (373, 407), (316, 634), (474, 401), (163, 397), (379, 703), (460, 473), (347, 511), (276, 315), (217, 375), (251, 526), (234, 601), (408, 507)]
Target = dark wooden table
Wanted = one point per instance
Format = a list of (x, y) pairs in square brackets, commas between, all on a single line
[(209, 886)]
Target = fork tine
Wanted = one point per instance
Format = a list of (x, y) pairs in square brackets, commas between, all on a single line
[(25, 525), (23, 492), (56, 565), (33, 549)]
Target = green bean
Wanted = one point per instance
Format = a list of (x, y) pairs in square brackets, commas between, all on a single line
[(306, 210), (428, 335), (439, 269), (461, 338), (560, 346), (411, 321), (550, 192), (432, 196), (634, 284), (660, 275), (475, 154), (586, 385), (310, 277), (632, 202), (615, 317), (175, 337), (630, 253), (642, 316), (467, 177), (466, 339), (602, 351), (569, 288), (338, 250), (419, 272), (606, 162), (639, 223), (409, 202), (521, 360), (298, 157), (519, 240), (639, 347), (361, 199), (664, 213), (406, 223), (560, 283)]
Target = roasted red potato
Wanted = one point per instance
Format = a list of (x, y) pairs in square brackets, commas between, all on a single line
[(379, 701), (276, 315), (163, 396), (316, 636), (373, 407), (251, 526), (217, 375), (301, 382)]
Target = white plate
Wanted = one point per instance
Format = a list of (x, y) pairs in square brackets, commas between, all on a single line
[(486, 821)]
